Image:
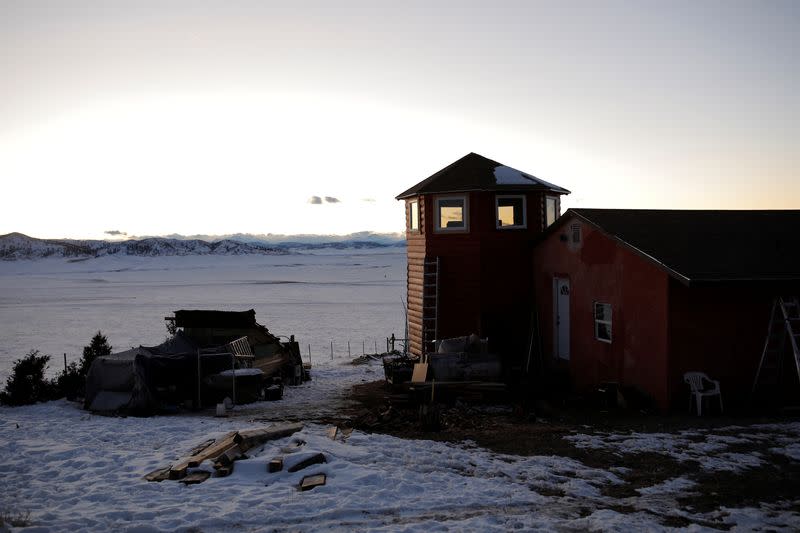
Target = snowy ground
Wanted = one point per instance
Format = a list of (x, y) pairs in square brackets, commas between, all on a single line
[(74, 471)]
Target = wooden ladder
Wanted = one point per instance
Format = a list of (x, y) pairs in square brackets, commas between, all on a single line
[(784, 323), (430, 304)]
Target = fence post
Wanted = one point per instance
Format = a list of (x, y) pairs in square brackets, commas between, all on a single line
[(309, 354), (331, 350), (199, 400), (348, 349)]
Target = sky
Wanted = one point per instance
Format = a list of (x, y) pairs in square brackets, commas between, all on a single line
[(218, 117)]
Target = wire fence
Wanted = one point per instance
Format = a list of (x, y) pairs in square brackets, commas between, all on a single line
[(349, 349)]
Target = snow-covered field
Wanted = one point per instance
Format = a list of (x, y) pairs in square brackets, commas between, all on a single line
[(56, 306), (74, 471)]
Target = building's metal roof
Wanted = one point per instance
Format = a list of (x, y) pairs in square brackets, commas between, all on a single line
[(706, 246), (474, 172)]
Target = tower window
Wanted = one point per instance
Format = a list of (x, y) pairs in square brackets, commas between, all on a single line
[(451, 213), (511, 212), (551, 210), (413, 215)]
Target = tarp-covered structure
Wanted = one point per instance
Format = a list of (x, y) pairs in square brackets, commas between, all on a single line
[(144, 380), (192, 366)]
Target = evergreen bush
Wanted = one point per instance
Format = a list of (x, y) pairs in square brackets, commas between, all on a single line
[(97, 347), (27, 384)]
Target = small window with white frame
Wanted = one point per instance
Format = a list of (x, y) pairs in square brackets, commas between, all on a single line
[(511, 212), (551, 210), (413, 215), (602, 321), (451, 213)]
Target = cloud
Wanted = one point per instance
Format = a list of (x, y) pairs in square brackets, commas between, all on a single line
[(317, 200), (115, 232)]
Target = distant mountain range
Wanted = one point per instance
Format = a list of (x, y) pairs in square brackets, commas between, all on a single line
[(281, 239), (15, 246)]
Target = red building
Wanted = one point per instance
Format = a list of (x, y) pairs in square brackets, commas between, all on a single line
[(639, 297), (470, 230)]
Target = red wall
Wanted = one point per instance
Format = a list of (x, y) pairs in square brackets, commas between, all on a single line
[(719, 331), (601, 270), (661, 328), (485, 283)]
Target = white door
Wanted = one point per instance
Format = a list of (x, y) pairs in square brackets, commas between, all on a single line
[(561, 317)]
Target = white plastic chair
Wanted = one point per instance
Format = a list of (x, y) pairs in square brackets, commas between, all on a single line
[(701, 386)]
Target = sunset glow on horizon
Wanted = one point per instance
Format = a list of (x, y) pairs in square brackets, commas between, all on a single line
[(154, 118)]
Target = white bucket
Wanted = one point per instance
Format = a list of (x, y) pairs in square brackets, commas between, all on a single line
[(221, 411)]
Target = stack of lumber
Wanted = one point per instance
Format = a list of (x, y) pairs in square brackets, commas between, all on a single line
[(222, 453)]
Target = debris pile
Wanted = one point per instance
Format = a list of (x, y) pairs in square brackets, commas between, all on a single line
[(222, 453), (211, 356), (389, 355), (366, 359)]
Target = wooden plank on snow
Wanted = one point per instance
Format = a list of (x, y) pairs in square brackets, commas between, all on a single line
[(178, 471), (253, 437), (221, 470), (196, 477), (332, 431), (309, 482), (317, 458), (230, 455), (158, 475), (214, 450), (275, 465), (199, 448)]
